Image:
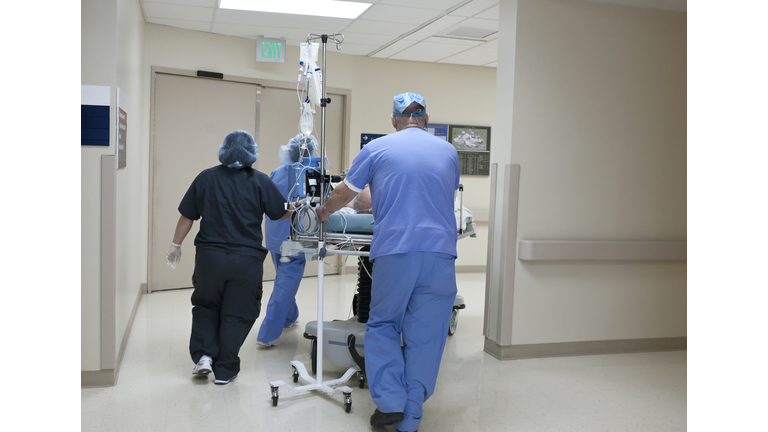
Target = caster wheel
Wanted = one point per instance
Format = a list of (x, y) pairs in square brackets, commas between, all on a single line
[(347, 402), (361, 379), (274, 396), (454, 322), (274, 401), (295, 374), (313, 356)]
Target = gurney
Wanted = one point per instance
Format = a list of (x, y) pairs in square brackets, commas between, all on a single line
[(351, 234)]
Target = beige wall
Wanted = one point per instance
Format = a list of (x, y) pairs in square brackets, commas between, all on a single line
[(111, 45), (454, 93), (598, 127)]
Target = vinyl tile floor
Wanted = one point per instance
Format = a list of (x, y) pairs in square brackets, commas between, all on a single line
[(156, 390)]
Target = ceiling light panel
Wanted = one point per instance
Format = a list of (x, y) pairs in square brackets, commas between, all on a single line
[(323, 8)]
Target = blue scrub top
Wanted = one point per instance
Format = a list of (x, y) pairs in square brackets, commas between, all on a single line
[(412, 176)]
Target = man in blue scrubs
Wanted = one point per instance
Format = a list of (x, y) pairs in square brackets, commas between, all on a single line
[(282, 310), (413, 177)]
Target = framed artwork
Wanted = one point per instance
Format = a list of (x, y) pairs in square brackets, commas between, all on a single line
[(473, 144)]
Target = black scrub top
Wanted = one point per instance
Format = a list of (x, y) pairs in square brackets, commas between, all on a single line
[(232, 206)]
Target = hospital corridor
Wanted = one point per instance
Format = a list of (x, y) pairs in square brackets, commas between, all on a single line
[(478, 210), (476, 392)]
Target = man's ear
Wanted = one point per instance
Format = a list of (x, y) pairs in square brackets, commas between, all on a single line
[(394, 123), (426, 121)]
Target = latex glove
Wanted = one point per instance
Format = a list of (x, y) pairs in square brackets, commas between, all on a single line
[(173, 255)]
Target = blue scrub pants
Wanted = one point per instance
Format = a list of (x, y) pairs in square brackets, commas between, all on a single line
[(226, 302), (282, 310), (412, 294)]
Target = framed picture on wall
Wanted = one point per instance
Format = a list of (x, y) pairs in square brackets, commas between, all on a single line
[(470, 138), (473, 144)]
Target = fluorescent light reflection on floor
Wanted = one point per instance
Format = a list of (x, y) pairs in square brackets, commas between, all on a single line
[(323, 8)]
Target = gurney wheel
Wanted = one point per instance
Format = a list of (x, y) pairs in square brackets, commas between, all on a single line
[(454, 322), (313, 356), (347, 402), (274, 395), (295, 374), (361, 379)]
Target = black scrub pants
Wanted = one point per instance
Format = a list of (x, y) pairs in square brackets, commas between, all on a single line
[(226, 302)]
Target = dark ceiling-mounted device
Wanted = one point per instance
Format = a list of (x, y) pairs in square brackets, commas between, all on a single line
[(210, 74)]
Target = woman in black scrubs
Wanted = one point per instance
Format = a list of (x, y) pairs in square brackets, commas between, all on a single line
[(230, 200)]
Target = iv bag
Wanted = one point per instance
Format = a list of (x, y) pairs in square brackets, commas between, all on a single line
[(307, 120), (315, 84), (308, 52)]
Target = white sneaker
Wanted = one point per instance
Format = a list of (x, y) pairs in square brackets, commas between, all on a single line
[(291, 324), (203, 367), (270, 344), (222, 382)]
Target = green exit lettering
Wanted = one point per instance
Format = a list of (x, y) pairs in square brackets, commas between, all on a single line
[(271, 49)]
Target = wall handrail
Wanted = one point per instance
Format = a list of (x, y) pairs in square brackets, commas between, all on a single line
[(567, 250)]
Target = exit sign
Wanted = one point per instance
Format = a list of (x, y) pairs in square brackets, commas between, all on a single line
[(270, 50)]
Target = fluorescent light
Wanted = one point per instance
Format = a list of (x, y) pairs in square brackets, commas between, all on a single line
[(323, 8)]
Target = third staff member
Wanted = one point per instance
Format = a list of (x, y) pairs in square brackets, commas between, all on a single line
[(413, 177)]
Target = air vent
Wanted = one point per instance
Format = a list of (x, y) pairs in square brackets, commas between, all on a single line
[(471, 32)]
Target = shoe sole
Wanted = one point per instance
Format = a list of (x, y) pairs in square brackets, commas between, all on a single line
[(202, 372), (223, 382), (387, 423)]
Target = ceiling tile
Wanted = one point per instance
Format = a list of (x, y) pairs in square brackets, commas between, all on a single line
[(481, 23), (475, 56), (366, 38), (187, 13), (428, 52), (399, 14), (378, 27), (352, 49), (228, 16), (492, 13), (189, 25), (492, 44), (454, 41), (429, 4), (441, 24), (394, 48), (490, 64), (200, 3), (251, 32), (474, 8)]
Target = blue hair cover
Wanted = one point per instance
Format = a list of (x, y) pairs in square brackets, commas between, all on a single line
[(402, 101), (239, 150), (292, 152)]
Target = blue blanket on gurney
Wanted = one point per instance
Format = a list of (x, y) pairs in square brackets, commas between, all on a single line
[(350, 224)]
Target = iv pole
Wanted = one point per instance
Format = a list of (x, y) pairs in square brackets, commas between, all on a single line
[(299, 370)]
